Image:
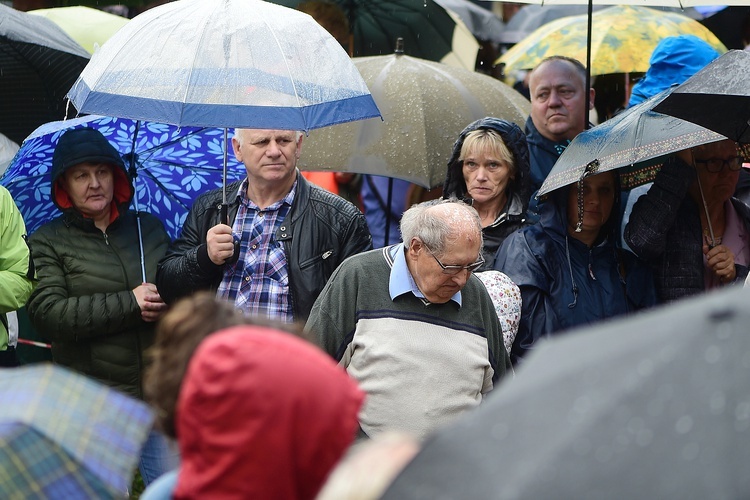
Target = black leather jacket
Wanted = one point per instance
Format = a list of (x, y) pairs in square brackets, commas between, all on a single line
[(320, 231)]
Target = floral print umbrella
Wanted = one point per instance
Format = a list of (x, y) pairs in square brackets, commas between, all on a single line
[(172, 166)]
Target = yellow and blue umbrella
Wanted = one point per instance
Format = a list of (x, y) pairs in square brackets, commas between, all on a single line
[(622, 39)]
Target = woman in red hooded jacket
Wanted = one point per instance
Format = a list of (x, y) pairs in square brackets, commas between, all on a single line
[(262, 414)]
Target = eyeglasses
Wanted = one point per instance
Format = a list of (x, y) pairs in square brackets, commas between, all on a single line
[(716, 165), (454, 269)]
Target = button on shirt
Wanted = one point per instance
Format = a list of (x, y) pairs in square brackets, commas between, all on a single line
[(258, 283)]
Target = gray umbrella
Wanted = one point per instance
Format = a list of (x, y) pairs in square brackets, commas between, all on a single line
[(531, 17), (652, 406), (635, 141), (482, 23), (38, 64), (716, 97), (425, 106)]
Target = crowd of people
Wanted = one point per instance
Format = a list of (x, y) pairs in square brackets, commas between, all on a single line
[(270, 340)]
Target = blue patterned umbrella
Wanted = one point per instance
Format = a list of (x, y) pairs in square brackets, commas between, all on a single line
[(172, 166)]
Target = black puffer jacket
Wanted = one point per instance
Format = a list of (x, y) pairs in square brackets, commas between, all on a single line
[(83, 302), (513, 216), (320, 231)]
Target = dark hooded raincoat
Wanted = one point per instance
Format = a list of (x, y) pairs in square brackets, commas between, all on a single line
[(84, 302), (513, 216), (563, 281)]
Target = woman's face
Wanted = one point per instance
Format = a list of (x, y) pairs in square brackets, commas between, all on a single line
[(598, 199), (90, 187), (486, 176), (717, 186)]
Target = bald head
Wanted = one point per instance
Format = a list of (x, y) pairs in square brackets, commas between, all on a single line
[(437, 222), (558, 98)]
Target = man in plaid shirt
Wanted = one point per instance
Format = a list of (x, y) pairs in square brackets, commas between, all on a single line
[(283, 239)]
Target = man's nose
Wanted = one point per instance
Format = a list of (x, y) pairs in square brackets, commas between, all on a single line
[(273, 149), (462, 277), (554, 99)]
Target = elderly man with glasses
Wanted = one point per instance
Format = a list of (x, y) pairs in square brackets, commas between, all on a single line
[(689, 226), (413, 325)]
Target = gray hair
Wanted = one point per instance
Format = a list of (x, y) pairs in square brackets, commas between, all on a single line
[(236, 133), (434, 229)]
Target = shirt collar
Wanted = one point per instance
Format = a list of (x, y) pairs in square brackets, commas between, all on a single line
[(401, 281), (242, 195)]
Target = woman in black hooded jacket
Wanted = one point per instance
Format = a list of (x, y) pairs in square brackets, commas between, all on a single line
[(489, 168)]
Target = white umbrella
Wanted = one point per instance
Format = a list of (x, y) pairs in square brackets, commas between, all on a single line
[(224, 63)]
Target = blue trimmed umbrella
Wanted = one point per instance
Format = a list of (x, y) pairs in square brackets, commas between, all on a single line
[(170, 166), (224, 63), (63, 435)]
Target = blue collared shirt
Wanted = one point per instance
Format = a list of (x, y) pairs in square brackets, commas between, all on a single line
[(401, 281)]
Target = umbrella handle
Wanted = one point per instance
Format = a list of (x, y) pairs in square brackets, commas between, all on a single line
[(224, 219)]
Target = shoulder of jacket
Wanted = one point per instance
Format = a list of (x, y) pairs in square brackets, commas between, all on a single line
[(322, 198)]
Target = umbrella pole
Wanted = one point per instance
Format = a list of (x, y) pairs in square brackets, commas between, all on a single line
[(588, 67), (705, 207), (134, 175), (389, 200), (224, 205)]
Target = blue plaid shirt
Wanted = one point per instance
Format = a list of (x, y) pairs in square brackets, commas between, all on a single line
[(258, 283)]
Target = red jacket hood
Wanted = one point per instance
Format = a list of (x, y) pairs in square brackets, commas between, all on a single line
[(262, 414)]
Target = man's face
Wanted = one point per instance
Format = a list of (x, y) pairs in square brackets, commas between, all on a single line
[(557, 100), (269, 156), (90, 187), (437, 286)]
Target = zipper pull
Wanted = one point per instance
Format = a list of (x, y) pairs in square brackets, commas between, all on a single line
[(591, 272), (327, 254), (106, 238)]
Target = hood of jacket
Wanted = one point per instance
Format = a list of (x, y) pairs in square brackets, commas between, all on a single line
[(518, 190), (262, 414), (674, 60), (87, 145)]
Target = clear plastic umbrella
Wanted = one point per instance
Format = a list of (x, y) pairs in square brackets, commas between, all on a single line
[(224, 63)]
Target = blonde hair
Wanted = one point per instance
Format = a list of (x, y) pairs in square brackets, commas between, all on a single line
[(485, 139)]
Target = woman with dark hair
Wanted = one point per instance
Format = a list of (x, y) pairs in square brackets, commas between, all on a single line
[(489, 169), (568, 266)]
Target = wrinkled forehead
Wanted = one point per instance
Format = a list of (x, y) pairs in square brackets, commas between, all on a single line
[(258, 135)]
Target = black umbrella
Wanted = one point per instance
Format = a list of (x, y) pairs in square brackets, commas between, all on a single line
[(39, 63), (716, 97), (652, 406)]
